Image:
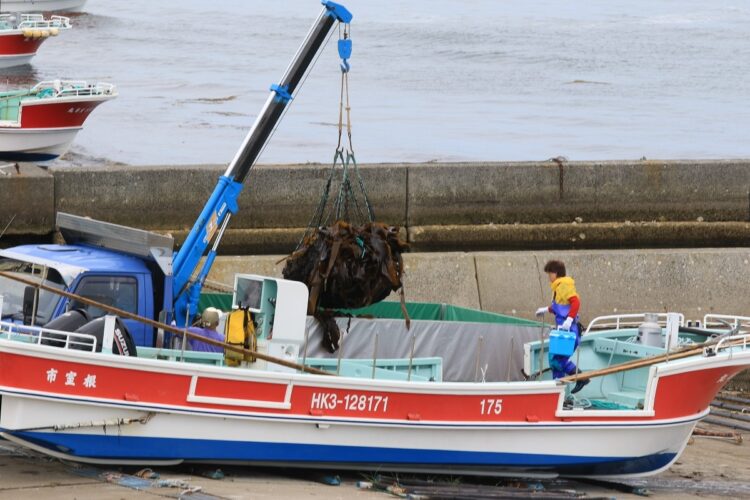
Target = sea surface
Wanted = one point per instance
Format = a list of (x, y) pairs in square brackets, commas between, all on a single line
[(431, 80)]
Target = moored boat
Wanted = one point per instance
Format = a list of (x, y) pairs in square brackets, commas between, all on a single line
[(22, 34), (41, 5), (40, 123)]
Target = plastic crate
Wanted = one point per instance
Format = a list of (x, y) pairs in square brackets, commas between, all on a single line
[(562, 342)]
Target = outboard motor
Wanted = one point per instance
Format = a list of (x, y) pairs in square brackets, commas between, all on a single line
[(68, 322), (121, 344)]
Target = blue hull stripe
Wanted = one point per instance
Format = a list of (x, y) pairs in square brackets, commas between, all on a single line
[(21, 156), (142, 448)]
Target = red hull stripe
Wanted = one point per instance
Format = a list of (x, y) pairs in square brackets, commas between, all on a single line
[(57, 114), (679, 396), (11, 45)]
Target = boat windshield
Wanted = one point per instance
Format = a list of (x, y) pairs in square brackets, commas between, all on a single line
[(12, 291)]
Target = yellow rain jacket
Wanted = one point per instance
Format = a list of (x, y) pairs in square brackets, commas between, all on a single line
[(564, 288)]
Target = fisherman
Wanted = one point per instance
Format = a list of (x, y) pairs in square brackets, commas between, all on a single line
[(565, 306), (209, 322)]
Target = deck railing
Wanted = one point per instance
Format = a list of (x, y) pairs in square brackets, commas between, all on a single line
[(34, 21), (727, 321), (71, 88), (731, 342), (618, 321), (39, 335)]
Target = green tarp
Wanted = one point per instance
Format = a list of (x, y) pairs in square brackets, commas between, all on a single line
[(392, 310)]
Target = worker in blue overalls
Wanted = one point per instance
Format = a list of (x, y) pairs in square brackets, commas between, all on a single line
[(565, 306)]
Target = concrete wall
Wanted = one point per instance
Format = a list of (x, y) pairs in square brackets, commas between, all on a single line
[(424, 194), (694, 282), (548, 192), (444, 206), (172, 197), (27, 198)]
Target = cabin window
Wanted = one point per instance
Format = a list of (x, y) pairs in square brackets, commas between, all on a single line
[(116, 291), (12, 291)]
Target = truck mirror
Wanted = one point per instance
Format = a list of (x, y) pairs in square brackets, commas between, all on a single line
[(30, 295)]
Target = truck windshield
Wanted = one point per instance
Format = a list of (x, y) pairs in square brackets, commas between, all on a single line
[(12, 291)]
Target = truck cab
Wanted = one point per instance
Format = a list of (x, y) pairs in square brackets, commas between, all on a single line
[(122, 272)]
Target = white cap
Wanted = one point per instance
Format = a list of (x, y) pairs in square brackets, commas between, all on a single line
[(210, 316)]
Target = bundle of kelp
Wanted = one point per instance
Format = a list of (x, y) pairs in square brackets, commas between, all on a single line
[(347, 266)]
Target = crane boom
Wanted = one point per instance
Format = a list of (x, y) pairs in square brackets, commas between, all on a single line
[(215, 216)]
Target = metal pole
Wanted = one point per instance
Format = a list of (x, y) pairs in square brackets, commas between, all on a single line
[(510, 358), (374, 354), (184, 335), (541, 328), (578, 351), (341, 352), (304, 353), (479, 354), (36, 295), (411, 356)]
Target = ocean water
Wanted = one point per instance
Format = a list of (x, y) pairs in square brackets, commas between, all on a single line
[(430, 80)]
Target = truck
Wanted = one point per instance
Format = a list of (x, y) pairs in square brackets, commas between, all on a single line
[(139, 271)]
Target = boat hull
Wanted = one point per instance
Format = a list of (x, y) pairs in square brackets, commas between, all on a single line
[(45, 128), (11, 61), (16, 49), (35, 144), (617, 449), (42, 5), (95, 408)]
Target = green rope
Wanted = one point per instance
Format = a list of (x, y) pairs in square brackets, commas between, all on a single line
[(370, 211)]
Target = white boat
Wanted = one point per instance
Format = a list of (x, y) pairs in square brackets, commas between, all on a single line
[(165, 406), (22, 34), (40, 123), (42, 5)]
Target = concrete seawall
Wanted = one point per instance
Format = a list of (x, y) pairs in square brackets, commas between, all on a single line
[(490, 206)]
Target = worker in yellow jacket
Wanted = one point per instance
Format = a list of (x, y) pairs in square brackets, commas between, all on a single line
[(565, 306)]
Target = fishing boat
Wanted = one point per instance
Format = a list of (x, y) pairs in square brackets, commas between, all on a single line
[(412, 411), (22, 34), (41, 5), (452, 390), (40, 123)]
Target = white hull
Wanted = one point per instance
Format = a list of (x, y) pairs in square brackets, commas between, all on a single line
[(15, 60), (536, 448), (39, 144), (42, 5), (102, 408)]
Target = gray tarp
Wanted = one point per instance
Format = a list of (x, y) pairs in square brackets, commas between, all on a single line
[(466, 348)]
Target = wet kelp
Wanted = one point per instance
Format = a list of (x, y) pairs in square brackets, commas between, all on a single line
[(347, 266)]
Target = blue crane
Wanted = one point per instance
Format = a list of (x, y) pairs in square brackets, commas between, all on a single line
[(214, 219)]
